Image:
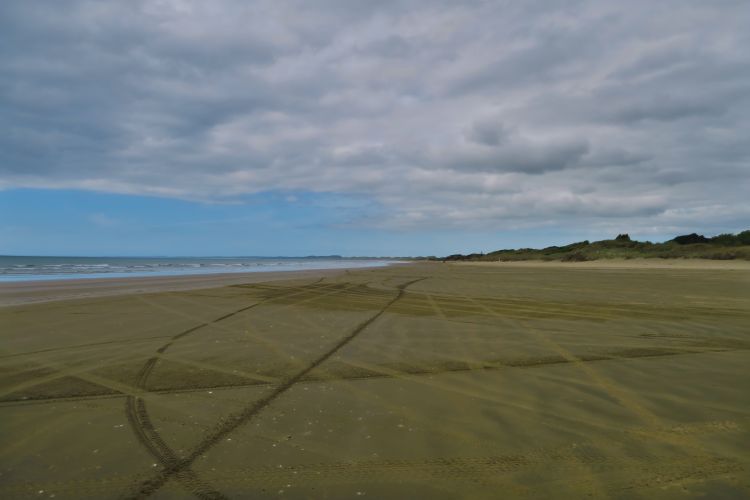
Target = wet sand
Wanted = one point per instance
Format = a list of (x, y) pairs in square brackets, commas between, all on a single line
[(417, 381), (22, 292)]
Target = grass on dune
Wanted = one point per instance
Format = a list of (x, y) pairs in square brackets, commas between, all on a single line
[(692, 246)]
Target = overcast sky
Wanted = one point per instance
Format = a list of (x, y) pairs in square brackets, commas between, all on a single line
[(513, 122)]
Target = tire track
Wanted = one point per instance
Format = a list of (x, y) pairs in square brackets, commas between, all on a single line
[(145, 431), (450, 366), (147, 435), (298, 290), (645, 471), (526, 308), (61, 371), (148, 367), (621, 394), (137, 413), (624, 396), (178, 468), (82, 346)]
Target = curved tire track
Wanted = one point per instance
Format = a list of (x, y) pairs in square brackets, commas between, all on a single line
[(140, 421), (148, 436), (181, 467), (146, 433)]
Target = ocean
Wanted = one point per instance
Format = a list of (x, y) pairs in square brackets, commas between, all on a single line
[(21, 268)]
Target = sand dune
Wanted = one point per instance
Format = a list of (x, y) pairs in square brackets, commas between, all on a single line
[(622, 264)]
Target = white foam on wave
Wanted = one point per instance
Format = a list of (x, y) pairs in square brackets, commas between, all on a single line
[(45, 268)]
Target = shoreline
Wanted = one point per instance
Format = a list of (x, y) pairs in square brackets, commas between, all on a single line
[(17, 293)]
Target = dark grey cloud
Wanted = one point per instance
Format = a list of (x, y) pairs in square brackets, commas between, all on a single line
[(496, 152), (444, 114), (488, 132)]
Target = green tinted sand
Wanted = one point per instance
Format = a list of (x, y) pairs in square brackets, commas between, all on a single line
[(419, 381)]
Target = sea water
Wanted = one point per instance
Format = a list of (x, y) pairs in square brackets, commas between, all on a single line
[(21, 268)]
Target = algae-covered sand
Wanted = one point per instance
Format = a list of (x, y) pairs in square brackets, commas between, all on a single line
[(418, 381)]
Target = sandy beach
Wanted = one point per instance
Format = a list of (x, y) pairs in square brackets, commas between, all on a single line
[(23, 292), (414, 381)]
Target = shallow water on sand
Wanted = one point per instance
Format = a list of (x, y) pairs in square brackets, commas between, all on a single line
[(30, 268)]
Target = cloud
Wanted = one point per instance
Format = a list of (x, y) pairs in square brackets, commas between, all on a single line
[(488, 132), (441, 114), (519, 154)]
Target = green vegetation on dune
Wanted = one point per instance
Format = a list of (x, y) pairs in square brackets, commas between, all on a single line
[(690, 246)]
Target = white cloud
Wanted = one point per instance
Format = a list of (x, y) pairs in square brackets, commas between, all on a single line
[(482, 114)]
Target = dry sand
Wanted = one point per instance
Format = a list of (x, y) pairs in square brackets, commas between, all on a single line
[(419, 381)]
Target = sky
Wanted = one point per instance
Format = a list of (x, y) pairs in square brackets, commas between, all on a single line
[(368, 128)]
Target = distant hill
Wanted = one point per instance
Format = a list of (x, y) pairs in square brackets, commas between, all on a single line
[(688, 246)]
